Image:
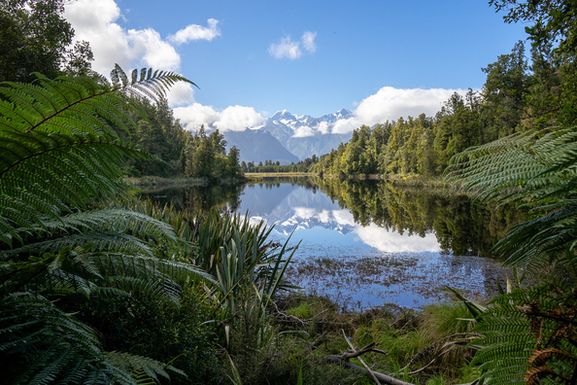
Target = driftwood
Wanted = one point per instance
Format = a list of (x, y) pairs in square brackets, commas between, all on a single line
[(378, 377)]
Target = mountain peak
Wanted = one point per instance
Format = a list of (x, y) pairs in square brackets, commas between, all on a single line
[(283, 114), (344, 113)]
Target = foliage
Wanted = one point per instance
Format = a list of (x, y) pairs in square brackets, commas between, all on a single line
[(272, 166), (535, 169), (206, 157), (176, 152), (35, 37), (62, 150)]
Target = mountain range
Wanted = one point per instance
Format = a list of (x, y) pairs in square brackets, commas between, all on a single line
[(288, 138)]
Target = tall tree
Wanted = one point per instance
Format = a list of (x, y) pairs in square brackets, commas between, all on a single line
[(35, 37)]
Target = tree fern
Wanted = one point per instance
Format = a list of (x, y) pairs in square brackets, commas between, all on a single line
[(62, 150), (536, 170), (529, 336)]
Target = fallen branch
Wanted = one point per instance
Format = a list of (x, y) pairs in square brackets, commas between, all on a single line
[(353, 351), (382, 377), (343, 359)]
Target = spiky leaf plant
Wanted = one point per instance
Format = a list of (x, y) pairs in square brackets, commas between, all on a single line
[(62, 150)]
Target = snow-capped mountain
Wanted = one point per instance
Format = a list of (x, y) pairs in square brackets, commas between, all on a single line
[(288, 138), (304, 135)]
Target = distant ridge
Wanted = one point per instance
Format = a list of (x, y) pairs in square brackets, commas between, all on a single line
[(288, 138), (258, 146)]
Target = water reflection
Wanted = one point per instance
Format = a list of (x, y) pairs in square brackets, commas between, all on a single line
[(368, 243)]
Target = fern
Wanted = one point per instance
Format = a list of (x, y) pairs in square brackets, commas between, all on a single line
[(62, 149), (527, 337), (536, 170)]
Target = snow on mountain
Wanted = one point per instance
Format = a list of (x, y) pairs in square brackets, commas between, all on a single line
[(304, 135), (287, 137)]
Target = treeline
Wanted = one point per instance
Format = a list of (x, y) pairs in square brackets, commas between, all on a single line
[(518, 94), (275, 166)]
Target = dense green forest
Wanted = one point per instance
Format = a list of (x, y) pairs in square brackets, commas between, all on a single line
[(100, 287), (175, 152)]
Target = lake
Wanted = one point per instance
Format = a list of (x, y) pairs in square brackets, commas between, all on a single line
[(366, 244)]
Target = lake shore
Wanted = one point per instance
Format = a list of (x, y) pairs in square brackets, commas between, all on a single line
[(162, 182)]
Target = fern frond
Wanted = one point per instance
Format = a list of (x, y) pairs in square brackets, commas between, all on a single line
[(150, 84), (536, 170), (142, 368), (61, 150)]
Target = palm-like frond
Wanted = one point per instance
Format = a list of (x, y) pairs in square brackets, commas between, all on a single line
[(536, 170), (52, 346), (506, 341), (241, 256), (62, 150), (61, 144)]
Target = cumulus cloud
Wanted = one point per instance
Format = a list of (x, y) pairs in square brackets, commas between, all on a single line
[(233, 118), (96, 22), (286, 48), (323, 127), (238, 118), (180, 94), (196, 115), (391, 103), (196, 32)]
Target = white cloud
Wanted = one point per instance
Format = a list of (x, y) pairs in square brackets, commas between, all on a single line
[(195, 115), (308, 41), (323, 127), (233, 118), (286, 48), (238, 118), (391, 103), (196, 32), (180, 94), (96, 22), (303, 131)]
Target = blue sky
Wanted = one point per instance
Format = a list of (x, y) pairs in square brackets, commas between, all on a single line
[(354, 48)]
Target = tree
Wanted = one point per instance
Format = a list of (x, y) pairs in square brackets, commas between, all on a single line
[(553, 35), (233, 170), (504, 93), (35, 38)]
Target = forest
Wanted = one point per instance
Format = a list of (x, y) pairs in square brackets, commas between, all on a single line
[(99, 286), (175, 152)]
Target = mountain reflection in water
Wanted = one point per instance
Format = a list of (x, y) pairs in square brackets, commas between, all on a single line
[(365, 244)]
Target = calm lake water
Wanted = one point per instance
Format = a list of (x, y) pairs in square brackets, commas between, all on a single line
[(366, 244)]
